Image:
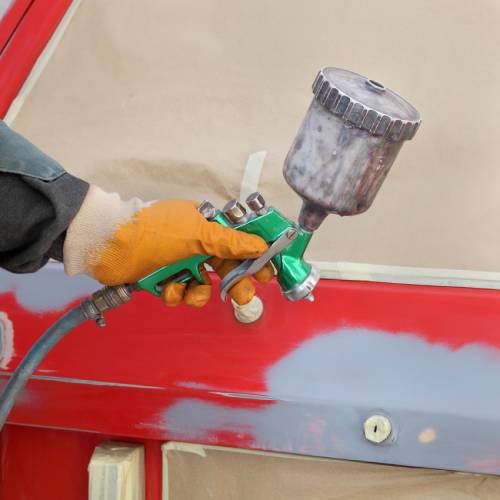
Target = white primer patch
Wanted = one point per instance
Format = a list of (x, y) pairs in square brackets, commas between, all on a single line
[(6, 340)]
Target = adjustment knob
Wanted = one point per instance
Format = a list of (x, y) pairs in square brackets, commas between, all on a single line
[(235, 211), (257, 203), (207, 210)]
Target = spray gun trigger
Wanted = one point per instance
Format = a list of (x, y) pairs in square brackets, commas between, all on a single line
[(251, 266), (180, 278)]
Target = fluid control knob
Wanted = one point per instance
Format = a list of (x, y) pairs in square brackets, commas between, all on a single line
[(257, 203), (207, 210), (235, 211)]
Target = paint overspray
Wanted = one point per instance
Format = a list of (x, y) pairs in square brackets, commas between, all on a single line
[(49, 289), (325, 388)]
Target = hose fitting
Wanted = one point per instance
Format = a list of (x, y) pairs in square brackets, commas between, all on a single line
[(103, 300)]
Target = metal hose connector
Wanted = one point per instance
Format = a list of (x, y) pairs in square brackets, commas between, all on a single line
[(105, 299)]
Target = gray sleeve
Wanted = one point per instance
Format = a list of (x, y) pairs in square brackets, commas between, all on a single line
[(38, 200)]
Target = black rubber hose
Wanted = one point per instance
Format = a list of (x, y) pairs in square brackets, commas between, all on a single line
[(34, 357)]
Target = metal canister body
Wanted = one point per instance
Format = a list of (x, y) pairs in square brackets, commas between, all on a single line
[(346, 145)]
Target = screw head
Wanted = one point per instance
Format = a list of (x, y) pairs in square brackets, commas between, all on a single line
[(377, 428), (234, 211), (207, 210), (256, 203)]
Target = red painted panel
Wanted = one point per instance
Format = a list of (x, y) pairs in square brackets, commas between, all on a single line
[(42, 464), (26, 44), (147, 351), (145, 356), (38, 464), (12, 17)]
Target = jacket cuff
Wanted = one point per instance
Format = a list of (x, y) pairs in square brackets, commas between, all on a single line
[(100, 215)]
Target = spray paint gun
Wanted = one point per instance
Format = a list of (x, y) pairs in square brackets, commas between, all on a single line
[(345, 147), (287, 243), (352, 132)]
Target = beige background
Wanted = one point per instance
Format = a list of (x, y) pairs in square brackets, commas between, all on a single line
[(168, 99), (225, 474)]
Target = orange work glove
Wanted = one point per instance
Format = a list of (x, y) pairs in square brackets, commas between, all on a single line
[(118, 242)]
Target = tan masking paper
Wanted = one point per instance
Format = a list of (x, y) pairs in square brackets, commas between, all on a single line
[(167, 99), (225, 474)]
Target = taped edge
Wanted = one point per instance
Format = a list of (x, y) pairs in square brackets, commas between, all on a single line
[(461, 278), (196, 449), (40, 64), (251, 174)]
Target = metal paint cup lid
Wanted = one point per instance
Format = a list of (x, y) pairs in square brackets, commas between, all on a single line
[(366, 104)]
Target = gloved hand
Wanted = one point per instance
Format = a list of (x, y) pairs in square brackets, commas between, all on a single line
[(118, 242)]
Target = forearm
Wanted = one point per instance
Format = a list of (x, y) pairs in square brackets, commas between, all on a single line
[(38, 200)]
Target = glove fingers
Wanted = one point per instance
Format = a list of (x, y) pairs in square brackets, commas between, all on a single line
[(243, 291), (226, 243), (222, 266), (197, 295), (266, 274), (173, 293)]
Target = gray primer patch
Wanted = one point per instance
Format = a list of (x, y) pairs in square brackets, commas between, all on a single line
[(328, 386), (4, 7), (49, 289)]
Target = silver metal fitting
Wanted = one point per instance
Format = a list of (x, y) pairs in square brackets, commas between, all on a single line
[(235, 212), (304, 290), (207, 210), (256, 202), (103, 300)]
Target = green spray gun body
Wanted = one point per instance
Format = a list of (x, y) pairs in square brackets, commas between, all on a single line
[(287, 241)]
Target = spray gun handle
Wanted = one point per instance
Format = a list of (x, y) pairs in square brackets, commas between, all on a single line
[(186, 269), (179, 272)]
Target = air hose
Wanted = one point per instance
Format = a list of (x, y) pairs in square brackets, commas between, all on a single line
[(91, 308)]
